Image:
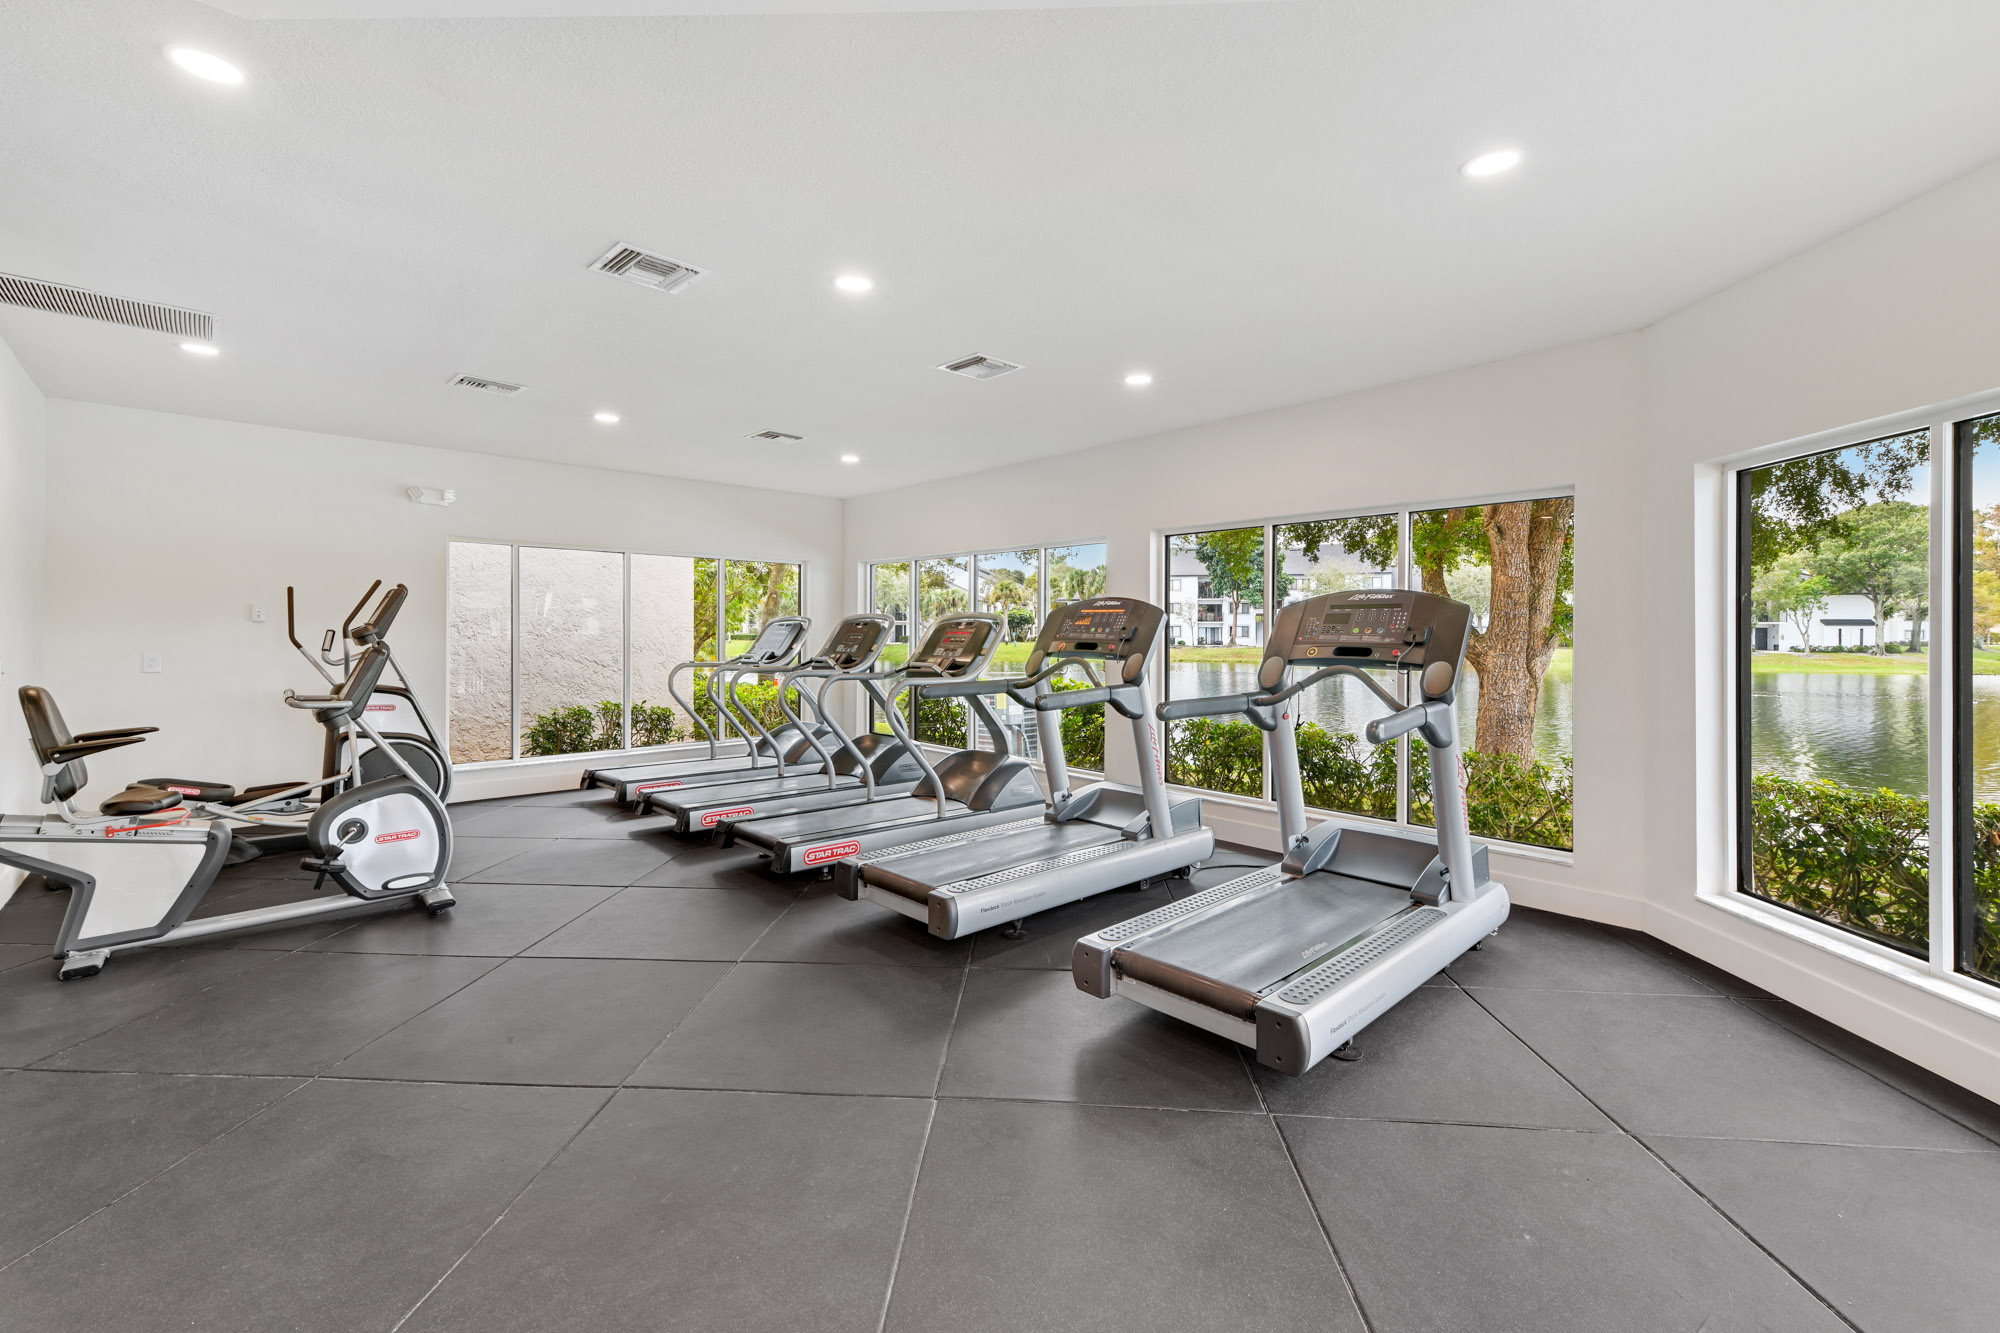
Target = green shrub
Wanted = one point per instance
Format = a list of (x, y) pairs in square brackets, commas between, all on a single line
[(580, 728), (1216, 754), (1530, 801), (1855, 857), (1341, 771), (1082, 732)]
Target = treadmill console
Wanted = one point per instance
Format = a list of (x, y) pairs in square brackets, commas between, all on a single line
[(854, 641), (957, 646), (1395, 628), (776, 640), (1103, 628)]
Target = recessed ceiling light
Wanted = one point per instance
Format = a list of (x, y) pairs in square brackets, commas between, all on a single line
[(1493, 163), (201, 349), (1139, 379), (850, 458), (854, 284), (204, 66), (605, 418)]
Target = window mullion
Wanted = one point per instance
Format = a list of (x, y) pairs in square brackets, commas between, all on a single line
[(514, 652), (1946, 632), (1273, 563), (625, 635), (1403, 580)]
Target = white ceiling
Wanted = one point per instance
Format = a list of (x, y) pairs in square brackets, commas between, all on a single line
[(1257, 202)]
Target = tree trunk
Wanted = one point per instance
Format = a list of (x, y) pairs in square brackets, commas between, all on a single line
[(1511, 655), (1876, 602), (1916, 628), (1235, 610)]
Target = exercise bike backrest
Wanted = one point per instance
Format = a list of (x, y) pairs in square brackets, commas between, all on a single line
[(61, 754), (352, 694)]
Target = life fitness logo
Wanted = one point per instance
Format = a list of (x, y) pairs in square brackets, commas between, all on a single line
[(404, 835), (833, 851), (656, 786), (714, 817)]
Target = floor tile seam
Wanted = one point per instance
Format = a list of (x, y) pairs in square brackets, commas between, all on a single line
[(1650, 1134), (304, 1082), (1611, 1128), (1109, 1106), (909, 1211), (401, 1023), (1686, 1183), (1586, 990), (505, 1208), (950, 1035), (1751, 1005), (1325, 1230), (1617, 938), (728, 968), (551, 934), (161, 1008)]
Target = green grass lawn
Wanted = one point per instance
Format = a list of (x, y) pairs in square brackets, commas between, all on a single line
[(1861, 664)]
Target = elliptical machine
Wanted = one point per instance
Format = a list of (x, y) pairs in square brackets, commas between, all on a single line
[(137, 870), (270, 818)]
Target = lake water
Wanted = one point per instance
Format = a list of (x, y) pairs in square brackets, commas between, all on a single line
[(1864, 731), (1345, 704)]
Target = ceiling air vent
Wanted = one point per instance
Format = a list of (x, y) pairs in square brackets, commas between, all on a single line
[(484, 385), (648, 270), (775, 435), (61, 300), (980, 368)]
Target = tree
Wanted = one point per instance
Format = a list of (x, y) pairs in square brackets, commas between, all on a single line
[(1071, 582), (941, 589), (1009, 592), (1234, 563), (1789, 590), (1797, 504), (1986, 572), (1883, 554), (1524, 547)]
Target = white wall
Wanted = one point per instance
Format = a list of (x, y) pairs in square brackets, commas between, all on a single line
[(185, 522), (1558, 419), (1893, 316), (23, 432)]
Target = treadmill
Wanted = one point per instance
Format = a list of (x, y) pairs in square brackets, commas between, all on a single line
[(1292, 961), (1104, 837), (775, 648), (966, 790), (853, 769)]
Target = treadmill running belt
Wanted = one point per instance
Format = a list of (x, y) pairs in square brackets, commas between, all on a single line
[(1233, 957)]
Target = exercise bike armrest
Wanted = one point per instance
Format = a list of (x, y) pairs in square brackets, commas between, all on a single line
[(113, 733), (83, 747)]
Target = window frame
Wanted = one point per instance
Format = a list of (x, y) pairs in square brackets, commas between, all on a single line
[(1403, 571), (626, 555), (1720, 826)]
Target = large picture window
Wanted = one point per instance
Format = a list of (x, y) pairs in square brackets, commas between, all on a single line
[(557, 650), (1512, 561), (1020, 586), (1976, 921)]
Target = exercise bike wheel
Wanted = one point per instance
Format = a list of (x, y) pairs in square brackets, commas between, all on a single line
[(424, 761)]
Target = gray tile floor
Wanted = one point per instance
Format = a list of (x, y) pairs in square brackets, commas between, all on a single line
[(632, 1083)]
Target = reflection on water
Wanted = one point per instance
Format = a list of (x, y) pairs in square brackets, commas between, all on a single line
[(1345, 704), (1860, 731)]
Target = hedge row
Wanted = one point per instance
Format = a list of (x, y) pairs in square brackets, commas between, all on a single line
[(1513, 799)]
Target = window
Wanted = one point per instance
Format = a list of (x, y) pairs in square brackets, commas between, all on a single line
[(555, 650), (479, 652), (1213, 648), (1833, 586), (1019, 586), (1977, 579), (1511, 561)]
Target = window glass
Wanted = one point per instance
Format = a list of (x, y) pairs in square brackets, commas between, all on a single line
[(479, 652), (666, 618), (571, 651), (944, 587), (889, 595), (1512, 562), (757, 591), (1076, 573), (1338, 768), (1979, 698), (1833, 589), (1009, 585), (1214, 638)]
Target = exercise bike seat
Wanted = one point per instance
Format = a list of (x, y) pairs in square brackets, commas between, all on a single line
[(140, 799), (194, 789)]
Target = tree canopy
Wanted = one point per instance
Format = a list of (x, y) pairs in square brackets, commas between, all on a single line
[(1799, 503)]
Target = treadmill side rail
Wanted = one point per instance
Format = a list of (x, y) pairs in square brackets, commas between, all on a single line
[(1314, 1014), (1021, 891)]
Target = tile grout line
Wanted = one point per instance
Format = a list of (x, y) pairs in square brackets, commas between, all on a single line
[(1751, 1006), (506, 1208), (113, 1202), (1325, 1231), (909, 1211), (1689, 1185)]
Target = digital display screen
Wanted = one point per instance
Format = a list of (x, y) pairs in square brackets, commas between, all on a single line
[(1356, 625), (954, 642), (1099, 620)]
